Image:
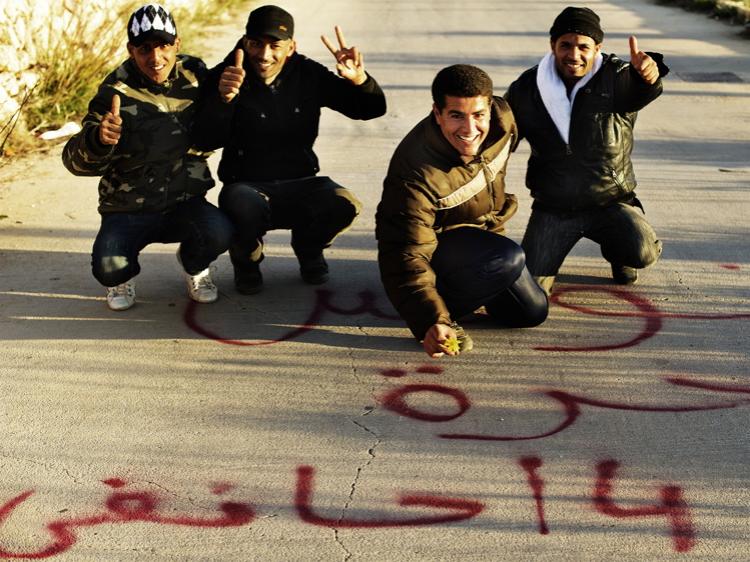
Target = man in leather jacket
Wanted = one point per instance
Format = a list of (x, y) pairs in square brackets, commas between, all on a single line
[(440, 220), (266, 118), (136, 136), (577, 109)]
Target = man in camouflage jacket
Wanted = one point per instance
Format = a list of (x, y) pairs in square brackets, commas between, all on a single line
[(440, 221), (153, 185)]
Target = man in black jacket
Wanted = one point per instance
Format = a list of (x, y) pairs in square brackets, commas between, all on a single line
[(577, 109), (266, 117)]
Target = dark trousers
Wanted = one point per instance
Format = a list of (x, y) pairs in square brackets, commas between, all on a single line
[(621, 230), (477, 268), (316, 209), (202, 229)]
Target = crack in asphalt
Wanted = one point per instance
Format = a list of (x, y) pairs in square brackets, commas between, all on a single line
[(371, 451)]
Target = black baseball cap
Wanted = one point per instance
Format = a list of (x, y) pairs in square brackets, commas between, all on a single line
[(270, 20)]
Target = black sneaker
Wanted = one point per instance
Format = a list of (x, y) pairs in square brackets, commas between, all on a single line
[(314, 269), (624, 275), (248, 280)]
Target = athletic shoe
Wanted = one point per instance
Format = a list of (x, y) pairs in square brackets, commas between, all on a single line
[(314, 269), (200, 287), (624, 275), (248, 280), (122, 296), (465, 343)]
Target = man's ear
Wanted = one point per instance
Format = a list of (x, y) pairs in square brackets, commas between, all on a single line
[(552, 44), (177, 43), (130, 48), (436, 111), (293, 49)]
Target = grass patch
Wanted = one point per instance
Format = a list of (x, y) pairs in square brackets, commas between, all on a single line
[(733, 11), (79, 56)]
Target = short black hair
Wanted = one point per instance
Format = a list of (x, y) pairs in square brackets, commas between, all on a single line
[(461, 81)]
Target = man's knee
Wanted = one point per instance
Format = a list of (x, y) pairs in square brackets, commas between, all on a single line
[(506, 264), (645, 251), (113, 270), (649, 254), (523, 305), (340, 209), (218, 235), (244, 204)]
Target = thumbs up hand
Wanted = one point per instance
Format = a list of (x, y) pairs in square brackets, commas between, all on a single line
[(642, 63), (232, 77), (110, 128)]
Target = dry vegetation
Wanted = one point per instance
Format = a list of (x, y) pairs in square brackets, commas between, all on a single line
[(72, 57)]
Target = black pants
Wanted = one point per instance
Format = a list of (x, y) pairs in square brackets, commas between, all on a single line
[(316, 209), (476, 268)]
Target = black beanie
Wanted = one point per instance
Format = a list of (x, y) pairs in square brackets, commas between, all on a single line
[(582, 21)]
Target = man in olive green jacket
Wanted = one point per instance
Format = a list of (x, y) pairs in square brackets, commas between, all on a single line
[(443, 209), (136, 136)]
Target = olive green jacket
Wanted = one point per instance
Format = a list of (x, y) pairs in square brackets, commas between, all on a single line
[(429, 190), (153, 166)]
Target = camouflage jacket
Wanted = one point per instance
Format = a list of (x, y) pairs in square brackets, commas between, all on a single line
[(153, 166)]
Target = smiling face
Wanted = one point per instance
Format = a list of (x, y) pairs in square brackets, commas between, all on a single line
[(574, 56), (155, 59), (267, 55), (464, 123)]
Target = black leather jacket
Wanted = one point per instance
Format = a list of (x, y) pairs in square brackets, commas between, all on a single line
[(268, 131), (594, 169)]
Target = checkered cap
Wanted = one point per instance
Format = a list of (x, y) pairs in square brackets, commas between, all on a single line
[(151, 22)]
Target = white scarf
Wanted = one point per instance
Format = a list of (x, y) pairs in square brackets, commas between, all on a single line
[(555, 96)]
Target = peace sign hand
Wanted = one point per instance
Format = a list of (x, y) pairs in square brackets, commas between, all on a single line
[(349, 63), (642, 63)]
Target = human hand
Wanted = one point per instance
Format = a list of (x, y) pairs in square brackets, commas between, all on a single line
[(232, 78), (642, 63), (435, 339), (349, 62), (110, 128)]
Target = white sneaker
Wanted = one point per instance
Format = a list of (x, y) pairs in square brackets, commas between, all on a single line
[(122, 296), (201, 288)]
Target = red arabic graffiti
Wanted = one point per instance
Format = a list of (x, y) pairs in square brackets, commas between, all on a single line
[(531, 466), (570, 404), (121, 507), (458, 509), (651, 315), (672, 506), (125, 507), (322, 305)]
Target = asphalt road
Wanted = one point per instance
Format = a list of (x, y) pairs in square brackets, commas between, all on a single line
[(305, 424)]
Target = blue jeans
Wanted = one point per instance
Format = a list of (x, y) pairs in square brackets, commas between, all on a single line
[(315, 208), (475, 267), (203, 231), (623, 233)]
